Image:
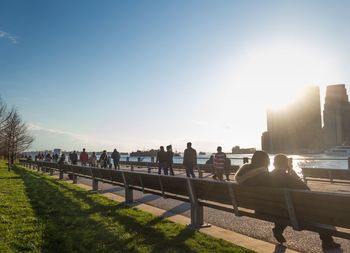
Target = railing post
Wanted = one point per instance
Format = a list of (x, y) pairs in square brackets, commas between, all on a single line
[(51, 171), (291, 211), (128, 191), (94, 184), (196, 208), (75, 178), (152, 159), (348, 163), (60, 175)]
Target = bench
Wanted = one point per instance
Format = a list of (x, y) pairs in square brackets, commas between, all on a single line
[(300, 209), (328, 174)]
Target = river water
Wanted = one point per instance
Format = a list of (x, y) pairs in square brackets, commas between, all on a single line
[(310, 161)]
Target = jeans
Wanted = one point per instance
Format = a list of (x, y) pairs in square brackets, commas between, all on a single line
[(190, 172), (170, 168), (164, 167)]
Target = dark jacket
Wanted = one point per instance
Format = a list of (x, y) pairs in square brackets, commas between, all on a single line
[(115, 156), (247, 175), (281, 179), (169, 157), (190, 157), (162, 156)]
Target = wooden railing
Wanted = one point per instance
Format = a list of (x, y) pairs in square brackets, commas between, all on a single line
[(303, 210), (329, 174)]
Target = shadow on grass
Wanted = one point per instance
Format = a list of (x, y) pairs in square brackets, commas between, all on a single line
[(80, 221)]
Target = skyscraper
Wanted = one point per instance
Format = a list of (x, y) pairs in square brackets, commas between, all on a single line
[(336, 116), (297, 129)]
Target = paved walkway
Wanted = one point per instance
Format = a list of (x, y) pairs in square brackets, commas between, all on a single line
[(301, 241)]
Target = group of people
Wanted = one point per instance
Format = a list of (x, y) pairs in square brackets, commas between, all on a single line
[(165, 160), (256, 173), (85, 159)]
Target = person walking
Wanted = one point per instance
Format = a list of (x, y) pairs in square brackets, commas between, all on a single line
[(190, 160), (169, 159), (162, 161), (116, 157), (219, 163), (84, 157), (103, 159)]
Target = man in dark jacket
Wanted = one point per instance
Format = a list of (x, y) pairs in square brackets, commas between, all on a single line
[(283, 176), (255, 173), (162, 161), (116, 157), (169, 160), (104, 159), (190, 160), (74, 158)]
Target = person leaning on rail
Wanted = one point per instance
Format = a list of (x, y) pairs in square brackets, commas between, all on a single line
[(283, 176)]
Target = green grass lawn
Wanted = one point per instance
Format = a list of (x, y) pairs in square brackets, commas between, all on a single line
[(41, 214)]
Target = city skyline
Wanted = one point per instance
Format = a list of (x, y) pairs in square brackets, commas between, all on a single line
[(143, 74)]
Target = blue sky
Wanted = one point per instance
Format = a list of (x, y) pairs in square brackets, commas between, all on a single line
[(139, 74)]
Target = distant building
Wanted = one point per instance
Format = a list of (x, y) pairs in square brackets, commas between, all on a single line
[(297, 129), (239, 150), (336, 116)]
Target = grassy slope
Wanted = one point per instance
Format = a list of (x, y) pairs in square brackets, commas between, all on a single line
[(41, 214)]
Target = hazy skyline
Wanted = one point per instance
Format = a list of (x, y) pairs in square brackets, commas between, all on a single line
[(139, 74)]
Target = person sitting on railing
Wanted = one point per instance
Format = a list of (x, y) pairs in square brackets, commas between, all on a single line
[(256, 172), (162, 161), (283, 176)]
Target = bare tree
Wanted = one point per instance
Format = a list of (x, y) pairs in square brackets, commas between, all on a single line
[(15, 136)]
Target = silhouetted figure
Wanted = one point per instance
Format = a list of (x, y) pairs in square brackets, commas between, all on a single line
[(169, 159), (62, 159), (48, 157), (93, 159), (190, 160), (84, 157), (74, 158), (104, 159), (227, 169), (283, 176), (255, 173), (55, 157), (162, 161), (219, 163), (210, 160), (116, 157)]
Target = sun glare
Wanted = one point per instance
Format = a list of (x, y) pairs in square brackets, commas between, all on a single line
[(278, 73)]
